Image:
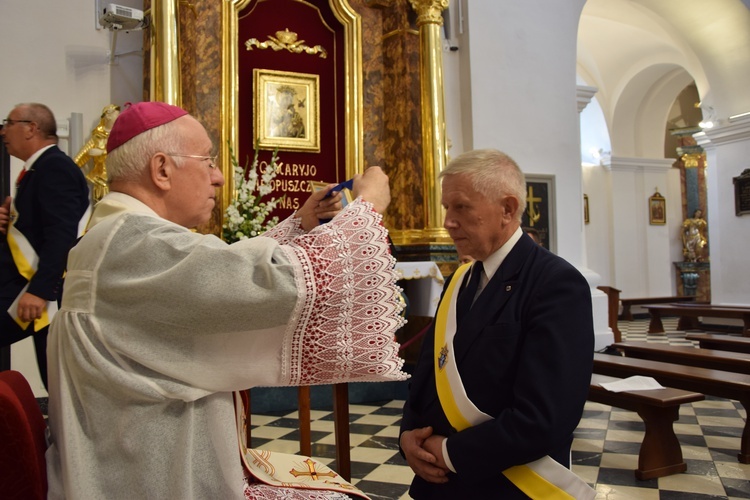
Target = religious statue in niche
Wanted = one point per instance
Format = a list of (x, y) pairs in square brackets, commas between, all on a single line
[(694, 238), (95, 150)]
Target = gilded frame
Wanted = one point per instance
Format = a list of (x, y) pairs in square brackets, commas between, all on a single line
[(354, 92), (286, 109), (585, 208), (657, 210)]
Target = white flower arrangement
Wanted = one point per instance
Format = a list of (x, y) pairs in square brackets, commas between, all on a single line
[(248, 216)]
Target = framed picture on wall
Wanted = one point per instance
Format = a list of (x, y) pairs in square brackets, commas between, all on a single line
[(286, 108), (657, 209), (540, 208), (586, 208)]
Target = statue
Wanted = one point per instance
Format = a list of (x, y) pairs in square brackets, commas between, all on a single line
[(96, 150), (694, 238)]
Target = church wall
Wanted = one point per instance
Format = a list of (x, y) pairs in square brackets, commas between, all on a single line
[(627, 225), (457, 103), (597, 184), (523, 98), (728, 235), (644, 252), (53, 54)]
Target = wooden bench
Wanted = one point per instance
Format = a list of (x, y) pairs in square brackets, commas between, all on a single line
[(626, 315), (613, 305), (718, 383), (721, 342), (686, 355), (689, 314), (660, 454)]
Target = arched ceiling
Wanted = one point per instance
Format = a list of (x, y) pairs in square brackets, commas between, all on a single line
[(640, 54)]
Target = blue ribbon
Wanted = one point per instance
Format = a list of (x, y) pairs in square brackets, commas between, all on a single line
[(339, 187), (344, 185)]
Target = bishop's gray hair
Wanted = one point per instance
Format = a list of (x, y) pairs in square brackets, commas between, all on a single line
[(128, 161)]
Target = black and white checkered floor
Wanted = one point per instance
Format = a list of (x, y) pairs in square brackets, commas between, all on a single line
[(605, 450)]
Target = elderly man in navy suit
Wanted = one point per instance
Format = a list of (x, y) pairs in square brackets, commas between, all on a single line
[(503, 374), (40, 225)]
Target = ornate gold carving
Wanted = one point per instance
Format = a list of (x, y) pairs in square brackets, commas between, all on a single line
[(429, 11), (693, 160), (286, 40), (379, 4), (352, 24)]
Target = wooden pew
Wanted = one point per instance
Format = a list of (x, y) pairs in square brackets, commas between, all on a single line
[(721, 342), (686, 355), (689, 314), (626, 315), (613, 305), (660, 454), (718, 383)]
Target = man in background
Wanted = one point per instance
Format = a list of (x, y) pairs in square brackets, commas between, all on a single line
[(39, 226), (503, 375)]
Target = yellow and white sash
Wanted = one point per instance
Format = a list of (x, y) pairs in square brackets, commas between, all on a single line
[(27, 263), (542, 479)]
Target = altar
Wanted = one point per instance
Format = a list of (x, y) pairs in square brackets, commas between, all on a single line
[(422, 283)]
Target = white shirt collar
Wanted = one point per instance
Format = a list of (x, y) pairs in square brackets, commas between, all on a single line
[(30, 162), (492, 263)]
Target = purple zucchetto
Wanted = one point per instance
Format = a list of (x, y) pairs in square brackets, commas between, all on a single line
[(140, 117)]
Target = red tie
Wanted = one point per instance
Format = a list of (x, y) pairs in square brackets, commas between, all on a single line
[(20, 177)]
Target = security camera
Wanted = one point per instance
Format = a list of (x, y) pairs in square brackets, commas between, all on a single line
[(118, 17)]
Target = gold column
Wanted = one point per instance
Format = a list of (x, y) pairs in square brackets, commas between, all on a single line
[(165, 60), (434, 142)]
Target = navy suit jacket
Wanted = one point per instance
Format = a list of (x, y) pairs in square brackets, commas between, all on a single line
[(525, 355), (50, 200)]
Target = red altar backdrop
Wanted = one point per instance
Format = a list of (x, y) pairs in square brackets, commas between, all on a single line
[(317, 30)]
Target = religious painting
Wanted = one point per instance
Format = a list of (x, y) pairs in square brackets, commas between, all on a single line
[(317, 186), (657, 210), (586, 208), (742, 193), (540, 209), (286, 110)]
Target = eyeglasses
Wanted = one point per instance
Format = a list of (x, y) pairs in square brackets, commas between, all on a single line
[(210, 159), (8, 122)]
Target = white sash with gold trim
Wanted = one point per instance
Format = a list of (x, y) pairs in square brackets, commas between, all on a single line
[(542, 479)]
